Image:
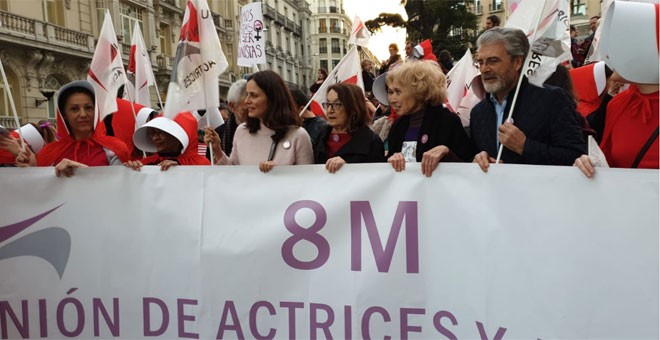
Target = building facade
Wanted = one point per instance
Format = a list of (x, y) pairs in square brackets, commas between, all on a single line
[(287, 29), (330, 33), (581, 11), (47, 43)]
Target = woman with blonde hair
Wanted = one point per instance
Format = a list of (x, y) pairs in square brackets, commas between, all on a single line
[(425, 131)]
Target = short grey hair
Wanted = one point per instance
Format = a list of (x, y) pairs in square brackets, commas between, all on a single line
[(514, 40), (236, 91)]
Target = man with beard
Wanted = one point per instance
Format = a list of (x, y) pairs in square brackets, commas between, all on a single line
[(544, 129)]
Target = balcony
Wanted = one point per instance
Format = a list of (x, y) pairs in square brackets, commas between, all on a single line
[(322, 10), (9, 122), (218, 21), (269, 11), (323, 29), (336, 50), (495, 7), (26, 31), (335, 30), (298, 30), (125, 50), (290, 25), (165, 62), (478, 9)]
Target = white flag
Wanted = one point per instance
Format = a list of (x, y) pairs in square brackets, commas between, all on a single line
[(360, 34), (459, 84), (198, 63), (553, 40), (347, 71), (140, 73), (106, 72)]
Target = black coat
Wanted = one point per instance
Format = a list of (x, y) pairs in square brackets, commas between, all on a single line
[(364, 147), (545, 115), (441, 127)]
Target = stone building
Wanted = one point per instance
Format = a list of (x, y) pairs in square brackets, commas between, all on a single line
[(47, 43), (330, 33)]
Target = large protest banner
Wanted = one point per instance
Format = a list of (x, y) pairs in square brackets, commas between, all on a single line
[(229, 252)]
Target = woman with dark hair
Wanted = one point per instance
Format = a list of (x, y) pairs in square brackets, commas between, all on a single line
[(82, 142), (322, 75), (425, 131), (271, 134), (348, 138)]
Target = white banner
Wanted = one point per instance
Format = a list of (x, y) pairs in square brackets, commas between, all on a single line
[(522, 252), (251, 49)]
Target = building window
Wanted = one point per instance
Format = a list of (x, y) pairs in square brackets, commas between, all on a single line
[(335, 45), (6, 112), (324, 64), (51, 83), (322, 26), (323, 45), (129, 15), (4, 6), (165, 40), (334, 26), (335, 63), (495, 5), (53, 12), (578, 7)]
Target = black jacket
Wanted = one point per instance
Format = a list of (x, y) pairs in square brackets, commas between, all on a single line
[(441, 127), (364, 147), (547, 118)]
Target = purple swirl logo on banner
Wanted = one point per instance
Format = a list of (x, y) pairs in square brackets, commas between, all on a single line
[(52, 244)]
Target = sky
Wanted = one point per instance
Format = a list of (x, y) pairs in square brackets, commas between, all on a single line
[(370, 9)]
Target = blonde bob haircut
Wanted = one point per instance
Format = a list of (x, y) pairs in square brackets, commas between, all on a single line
[(424, 79)]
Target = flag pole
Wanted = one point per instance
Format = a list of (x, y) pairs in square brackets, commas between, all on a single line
[(515, 95), (13, 105)]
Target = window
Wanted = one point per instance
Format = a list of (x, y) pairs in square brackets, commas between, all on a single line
[(334, 26), (578, 7), (4, 6), (129, 16), (324, 64), (165, 40), (495, 5), (335, 63), (52, 84), (322, 26), (53, 12), (335, 45), (323, 45), (5, 107)]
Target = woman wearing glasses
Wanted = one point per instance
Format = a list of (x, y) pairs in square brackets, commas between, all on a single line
[(425, 131), (271, 134), (348, 138)]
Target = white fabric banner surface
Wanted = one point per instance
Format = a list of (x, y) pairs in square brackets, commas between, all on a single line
[(229, 252)]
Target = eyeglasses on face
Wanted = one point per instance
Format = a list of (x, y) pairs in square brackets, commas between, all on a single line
[(333, 106)]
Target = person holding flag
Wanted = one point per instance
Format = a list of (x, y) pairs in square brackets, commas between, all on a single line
[(271, 134), (82, 143), (544, 129)]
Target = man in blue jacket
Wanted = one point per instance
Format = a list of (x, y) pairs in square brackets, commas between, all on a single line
[(544, 129)]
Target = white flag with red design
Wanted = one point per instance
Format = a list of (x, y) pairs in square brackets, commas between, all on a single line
[(347, 71), (459, 85), (552, 44), (360, 34), (198, 63), (140, 74), (106, 72)]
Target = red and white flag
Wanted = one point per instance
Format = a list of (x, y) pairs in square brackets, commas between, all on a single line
[(106, 72), (140, 74), (459, 85), (198, 63), (552, 42), (360, 34), (347, 71)]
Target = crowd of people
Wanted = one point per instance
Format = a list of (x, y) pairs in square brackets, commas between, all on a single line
[(264, 126)]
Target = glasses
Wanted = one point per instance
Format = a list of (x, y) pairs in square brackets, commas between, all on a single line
[(333, 106)]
